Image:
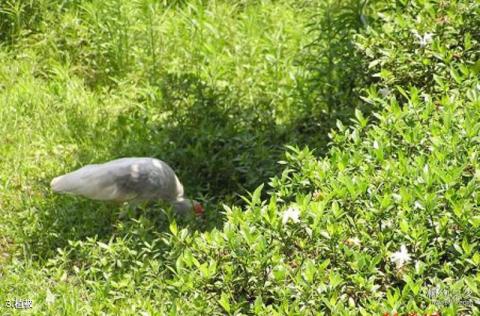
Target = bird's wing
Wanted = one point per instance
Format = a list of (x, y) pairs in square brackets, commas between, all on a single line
[(98, 182), (122, 180)]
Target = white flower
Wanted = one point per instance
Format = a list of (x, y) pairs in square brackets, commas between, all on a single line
[(397, 197), (292, 213), (387, 223), (50, 299), (353, 242), (400, 258), (426, 97), (418, 205), (385, 92), (426, 169), (425, 39)]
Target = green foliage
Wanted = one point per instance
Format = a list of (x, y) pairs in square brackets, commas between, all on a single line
[(336, 72), (385, 221), (433, 46), (19, 18)]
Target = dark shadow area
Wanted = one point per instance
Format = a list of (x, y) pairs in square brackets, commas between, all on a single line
[(69, 218), (219, 147), (76, 219)]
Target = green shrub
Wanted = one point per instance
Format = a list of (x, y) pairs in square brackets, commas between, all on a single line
[(432, 45), (408, 182)]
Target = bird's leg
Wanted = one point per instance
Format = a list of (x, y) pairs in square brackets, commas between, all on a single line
[(129, 210), (142, 207), (124, 211), (133, 209)]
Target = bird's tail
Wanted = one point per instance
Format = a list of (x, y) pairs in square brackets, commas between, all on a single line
[(88, 181), (73, 182), (62, 184)]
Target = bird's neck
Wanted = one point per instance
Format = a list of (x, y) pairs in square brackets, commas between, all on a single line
[(182, 205)]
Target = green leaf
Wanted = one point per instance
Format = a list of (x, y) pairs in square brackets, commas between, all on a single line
[(476, 67), (467, 41), (173, 228), (472, 284), (103, 245), (455, 75), (360, 118), (225, 302)]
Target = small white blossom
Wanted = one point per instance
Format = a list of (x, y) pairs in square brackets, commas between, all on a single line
[(50, 299), (400, 258), (387, 223), (292, 213), (418, 205), (425, 39), (397, 197), (353, 242), (426, 169), (426, 97), (385, 92)]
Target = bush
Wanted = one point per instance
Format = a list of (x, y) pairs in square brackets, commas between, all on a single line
[(404, 185), (433, 46), (408, 180)]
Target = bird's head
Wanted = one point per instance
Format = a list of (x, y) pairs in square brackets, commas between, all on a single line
[(183, 206)]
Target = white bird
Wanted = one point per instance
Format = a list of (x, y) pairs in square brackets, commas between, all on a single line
[(127, 179)]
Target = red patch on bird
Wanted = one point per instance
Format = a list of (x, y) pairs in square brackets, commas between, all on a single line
[(198, 208)]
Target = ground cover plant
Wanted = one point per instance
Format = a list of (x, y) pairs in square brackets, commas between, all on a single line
[(334, 144)]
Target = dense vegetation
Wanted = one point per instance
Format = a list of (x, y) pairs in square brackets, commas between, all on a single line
[(354, 124)]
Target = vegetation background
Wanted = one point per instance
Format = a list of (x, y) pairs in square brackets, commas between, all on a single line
[(353, 124)]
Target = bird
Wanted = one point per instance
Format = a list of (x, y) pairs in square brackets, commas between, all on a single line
[(132, 179)]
